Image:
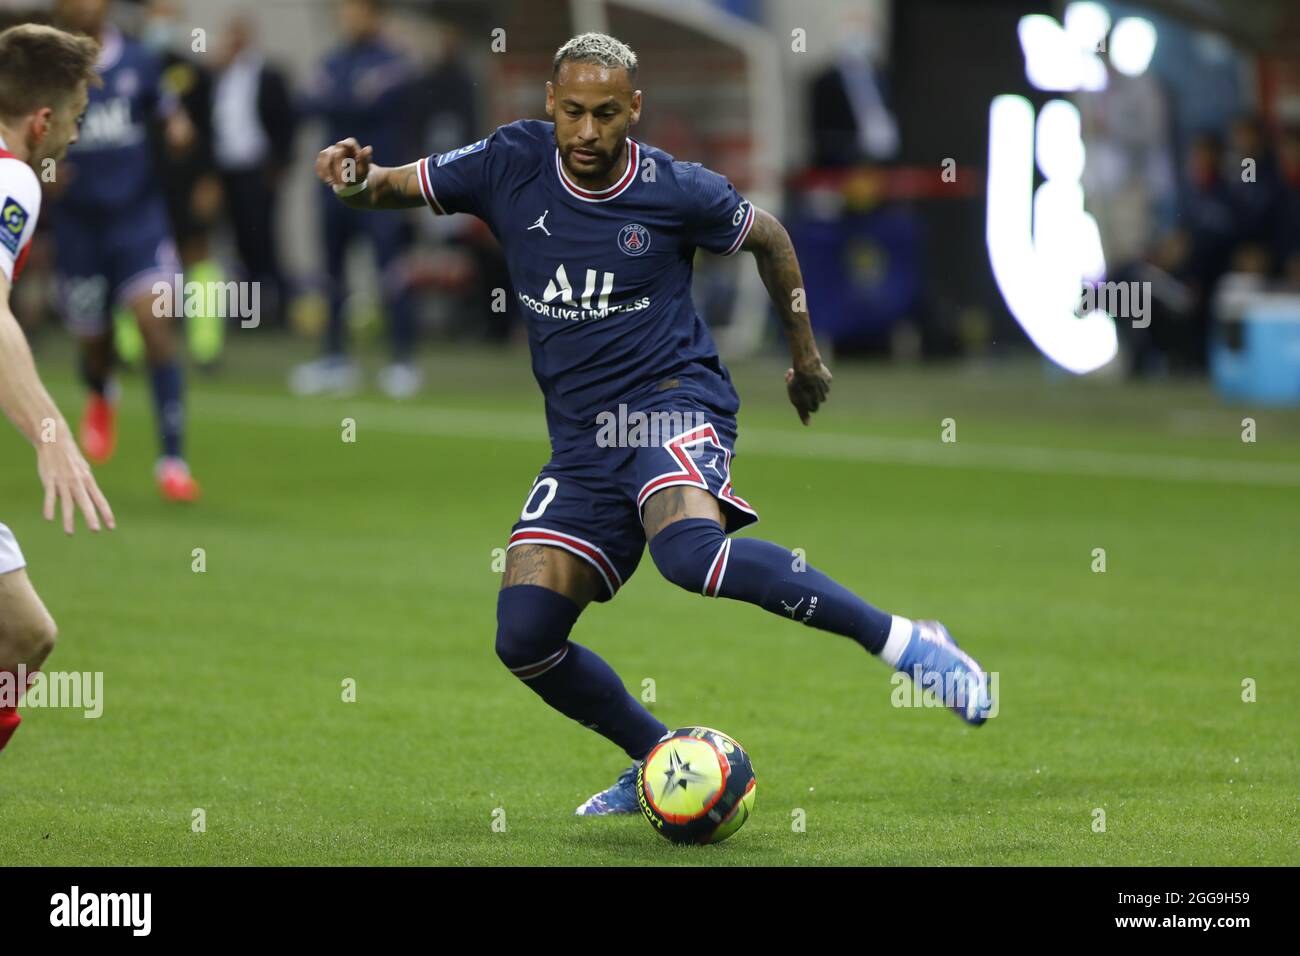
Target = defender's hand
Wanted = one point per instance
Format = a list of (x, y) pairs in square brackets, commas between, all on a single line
[(808, 389), (68, 479), (330, 163)]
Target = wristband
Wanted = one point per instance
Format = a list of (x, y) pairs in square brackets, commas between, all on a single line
[(351, 190)]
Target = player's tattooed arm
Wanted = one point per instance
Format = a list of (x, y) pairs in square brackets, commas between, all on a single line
[(347, 164), (395, 188), (807, 380)]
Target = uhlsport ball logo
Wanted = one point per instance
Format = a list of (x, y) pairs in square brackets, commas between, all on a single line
[(696, 786), (634, 239)]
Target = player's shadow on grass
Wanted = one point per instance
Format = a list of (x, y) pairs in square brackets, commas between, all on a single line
[(635, 834)]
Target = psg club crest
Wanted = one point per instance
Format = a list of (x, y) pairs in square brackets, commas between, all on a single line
[(634, 239)]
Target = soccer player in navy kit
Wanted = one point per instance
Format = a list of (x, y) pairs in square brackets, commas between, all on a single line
[(599, 231), (113, 240)]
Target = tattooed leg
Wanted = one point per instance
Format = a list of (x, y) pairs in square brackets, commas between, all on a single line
[(554, 569)]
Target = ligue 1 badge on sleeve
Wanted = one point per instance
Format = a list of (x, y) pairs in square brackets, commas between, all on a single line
[(455, 154), (13, 219)]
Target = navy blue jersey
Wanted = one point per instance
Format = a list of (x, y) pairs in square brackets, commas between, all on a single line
[(603, 278), (111, 159)]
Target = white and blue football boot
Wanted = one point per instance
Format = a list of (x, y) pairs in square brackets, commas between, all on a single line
[(620, 798), (933, 659)]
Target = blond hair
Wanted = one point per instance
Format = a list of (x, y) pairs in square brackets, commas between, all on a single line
[(599, 48)]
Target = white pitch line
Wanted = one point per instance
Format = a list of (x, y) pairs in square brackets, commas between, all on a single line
[(244, 409), (1025, 458)]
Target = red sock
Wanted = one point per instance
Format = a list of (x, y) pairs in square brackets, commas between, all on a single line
[(9, 719)]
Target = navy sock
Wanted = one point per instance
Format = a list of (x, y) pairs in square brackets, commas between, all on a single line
[(763, 573), (95, 371), (695, 554), (584, 687), (169, 405), (533, 624)]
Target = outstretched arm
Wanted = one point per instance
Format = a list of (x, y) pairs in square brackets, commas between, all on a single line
[(346, 165), (807, 381), (62, 469)]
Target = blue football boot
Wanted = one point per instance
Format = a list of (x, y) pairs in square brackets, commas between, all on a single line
[(933, 660), (620, 798)]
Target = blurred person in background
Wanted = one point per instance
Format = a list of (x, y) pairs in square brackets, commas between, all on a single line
[(1255, 191), (459, 258), (1201, 252), (445, 97), (851, 123), (191, 186), (1184, 266), (363, 88), (1286, 239), (113, 241), (253, 125)]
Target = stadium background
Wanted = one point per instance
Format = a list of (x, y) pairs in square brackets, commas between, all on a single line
[(375, 560)]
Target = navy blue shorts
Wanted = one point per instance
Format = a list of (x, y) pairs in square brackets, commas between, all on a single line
[(106, 258), (588, 498)]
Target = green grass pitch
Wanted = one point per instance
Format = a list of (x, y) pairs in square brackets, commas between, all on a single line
[(373, 560)]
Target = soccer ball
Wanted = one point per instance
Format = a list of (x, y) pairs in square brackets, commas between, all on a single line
[(696, 786)]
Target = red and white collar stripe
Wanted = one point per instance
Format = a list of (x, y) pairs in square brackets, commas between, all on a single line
[(609, 192)]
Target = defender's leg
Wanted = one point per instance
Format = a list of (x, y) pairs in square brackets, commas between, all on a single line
[(27, 635)]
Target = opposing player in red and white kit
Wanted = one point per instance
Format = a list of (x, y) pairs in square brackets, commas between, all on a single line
[(44, 81)]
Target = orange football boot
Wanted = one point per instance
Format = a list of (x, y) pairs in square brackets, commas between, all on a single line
[(175, 481), (99, 429)]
